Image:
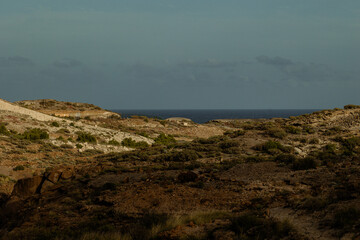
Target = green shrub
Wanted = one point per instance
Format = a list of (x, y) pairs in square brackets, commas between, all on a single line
[(183, 156), (114, 142), (3, 130), (128, 142), (229, 144), (234, 134), (308, 129), (86, 137), (55, 124), (314, 203), (79, 146), (293, 130), (272, 147), (285, 158), (35, 134), (255, 226), (304, 163), (314, 141), (276, 133), (165, 139), (347, 217), (18, 168)]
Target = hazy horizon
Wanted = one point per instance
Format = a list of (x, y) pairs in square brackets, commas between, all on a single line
[(167, 54)]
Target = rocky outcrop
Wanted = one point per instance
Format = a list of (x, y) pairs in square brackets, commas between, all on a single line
[(38, 184)]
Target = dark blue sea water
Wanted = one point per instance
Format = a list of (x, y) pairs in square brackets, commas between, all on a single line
[(202, 116)]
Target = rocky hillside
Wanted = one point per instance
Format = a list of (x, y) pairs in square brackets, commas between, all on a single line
[(66, 109), (296, 178)]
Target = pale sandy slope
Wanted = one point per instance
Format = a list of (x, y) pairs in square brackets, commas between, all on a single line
[(106, 133), (7, 106)]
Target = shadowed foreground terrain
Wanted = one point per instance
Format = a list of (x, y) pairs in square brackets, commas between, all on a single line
[(104, 177)]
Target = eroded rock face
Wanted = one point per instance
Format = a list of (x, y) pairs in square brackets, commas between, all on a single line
[(38, 184)]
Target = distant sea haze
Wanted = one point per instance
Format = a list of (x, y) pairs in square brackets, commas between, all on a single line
[(205, 115)]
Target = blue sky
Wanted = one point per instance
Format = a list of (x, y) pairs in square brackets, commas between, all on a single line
[(182, 54)]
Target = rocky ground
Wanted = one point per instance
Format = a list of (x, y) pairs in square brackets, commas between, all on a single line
[(141, 178)]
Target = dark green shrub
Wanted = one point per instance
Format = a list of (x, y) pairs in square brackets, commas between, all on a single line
[(333, 131), (308, 129), (304, 163), (314, 203), (18, 168), (272, 147), (350, 144), (114, 142), (35, 134), (314, 141), (276, 133), (109, 186), (182, 156), (86, 137), (293, 130), (55, 124), (128, 142), (164, 139), (255, 226), (347, 217), (3, 130), (234, 134), (79, 146), (229, 144), (285, 158)]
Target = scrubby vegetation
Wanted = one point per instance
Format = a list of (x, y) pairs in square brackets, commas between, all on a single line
[(165, 139), (128, 142), (35, 134), (86, 137)]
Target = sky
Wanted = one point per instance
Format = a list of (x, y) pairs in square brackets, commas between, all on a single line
[(182, 54)]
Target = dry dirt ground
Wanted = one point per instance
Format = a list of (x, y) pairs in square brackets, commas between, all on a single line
[(296, 178)]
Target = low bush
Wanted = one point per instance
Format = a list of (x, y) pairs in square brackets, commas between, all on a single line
[(285, 158), (86, 137), (180, 156), (3, 130), (164, 139), (55, 124), (346, 217), (114, 142), (308, 129), (272, 147), (35, 134), (304, 163), (276, 132), (351, 106), (293, 130), (128, 142), (229, 144), (314, 203), (234, 134), (19, 168), (254, 226)]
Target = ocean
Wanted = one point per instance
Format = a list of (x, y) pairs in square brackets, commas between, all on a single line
[(205, 115)]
